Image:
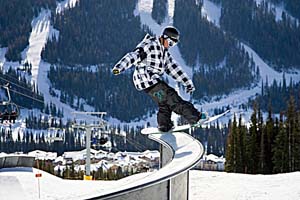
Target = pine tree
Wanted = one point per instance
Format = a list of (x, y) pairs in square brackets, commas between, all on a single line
[(252, 147), (293, 137), (280, 148), (242, 132), (297, 142), (269, 133), (238, 146), (230, 147)]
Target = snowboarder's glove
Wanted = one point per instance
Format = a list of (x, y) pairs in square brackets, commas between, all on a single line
[(189, 89), (116, 71)]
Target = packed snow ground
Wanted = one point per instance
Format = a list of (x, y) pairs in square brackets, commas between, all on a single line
[(228, 186), (22, 184)]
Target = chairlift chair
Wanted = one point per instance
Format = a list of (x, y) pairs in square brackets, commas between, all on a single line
[(9, 111)]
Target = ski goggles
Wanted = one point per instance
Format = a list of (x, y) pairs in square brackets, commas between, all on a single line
[(172, 42)]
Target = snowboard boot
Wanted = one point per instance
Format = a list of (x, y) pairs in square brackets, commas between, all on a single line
[(165, 128), (202, 117)]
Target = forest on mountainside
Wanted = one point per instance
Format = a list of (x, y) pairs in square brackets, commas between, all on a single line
[(291, 6), (20, 89), (277, 42), (275, 96), (15, 24), (94, 32), (101, 32), (224, 65)]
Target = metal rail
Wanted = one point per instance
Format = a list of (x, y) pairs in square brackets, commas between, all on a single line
[(180, 152)]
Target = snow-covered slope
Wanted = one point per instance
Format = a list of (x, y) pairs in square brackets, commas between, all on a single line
[(227, 186), (21, 183), (212, 12)]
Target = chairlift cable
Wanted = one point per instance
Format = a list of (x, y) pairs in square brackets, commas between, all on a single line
[(35, 99), (136, 145), (16, 84), (6, 74)]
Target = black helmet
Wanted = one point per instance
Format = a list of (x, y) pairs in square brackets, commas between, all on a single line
[(172, 33)]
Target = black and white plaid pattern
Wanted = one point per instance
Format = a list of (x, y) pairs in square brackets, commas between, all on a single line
[(151, 60)]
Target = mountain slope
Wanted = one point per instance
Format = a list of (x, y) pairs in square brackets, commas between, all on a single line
[(43, 30)]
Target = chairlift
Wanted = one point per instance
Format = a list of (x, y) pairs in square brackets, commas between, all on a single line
[(9, 111), (100, 138), (103, 140), (99, 141)]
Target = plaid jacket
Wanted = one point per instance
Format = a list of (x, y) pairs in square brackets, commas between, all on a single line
[(151, 60)]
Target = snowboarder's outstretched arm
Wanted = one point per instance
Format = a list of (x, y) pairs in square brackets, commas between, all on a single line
[(128, 60), (177, 73)]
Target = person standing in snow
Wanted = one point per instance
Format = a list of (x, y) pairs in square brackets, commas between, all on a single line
[(152, 59)]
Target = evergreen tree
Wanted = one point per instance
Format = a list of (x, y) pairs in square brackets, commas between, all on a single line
[(253, 145), (293, 137), (280, 149), (269, 136), (297, 141), (230, 158), (242, 133)]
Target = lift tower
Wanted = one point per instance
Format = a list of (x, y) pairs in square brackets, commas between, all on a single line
[(82, 124)]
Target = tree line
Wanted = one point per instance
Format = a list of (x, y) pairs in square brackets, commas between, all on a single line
[(36, 136), (71, 139), (266, 147), (275, 95)]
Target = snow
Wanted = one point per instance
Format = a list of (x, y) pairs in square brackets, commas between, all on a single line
[(279, 9), (212, 12), (37, 40), (220, 185), (213, 158), (20, 183), (42, 155), (66, 4)]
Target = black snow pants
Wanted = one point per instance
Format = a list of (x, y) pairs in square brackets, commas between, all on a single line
[(168, 100)]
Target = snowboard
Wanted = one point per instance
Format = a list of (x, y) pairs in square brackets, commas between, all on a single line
[(155, 130)]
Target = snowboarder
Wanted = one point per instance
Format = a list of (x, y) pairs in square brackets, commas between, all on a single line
[(152, 59)]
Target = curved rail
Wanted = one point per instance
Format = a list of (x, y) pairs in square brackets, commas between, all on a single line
[(180, 152)]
